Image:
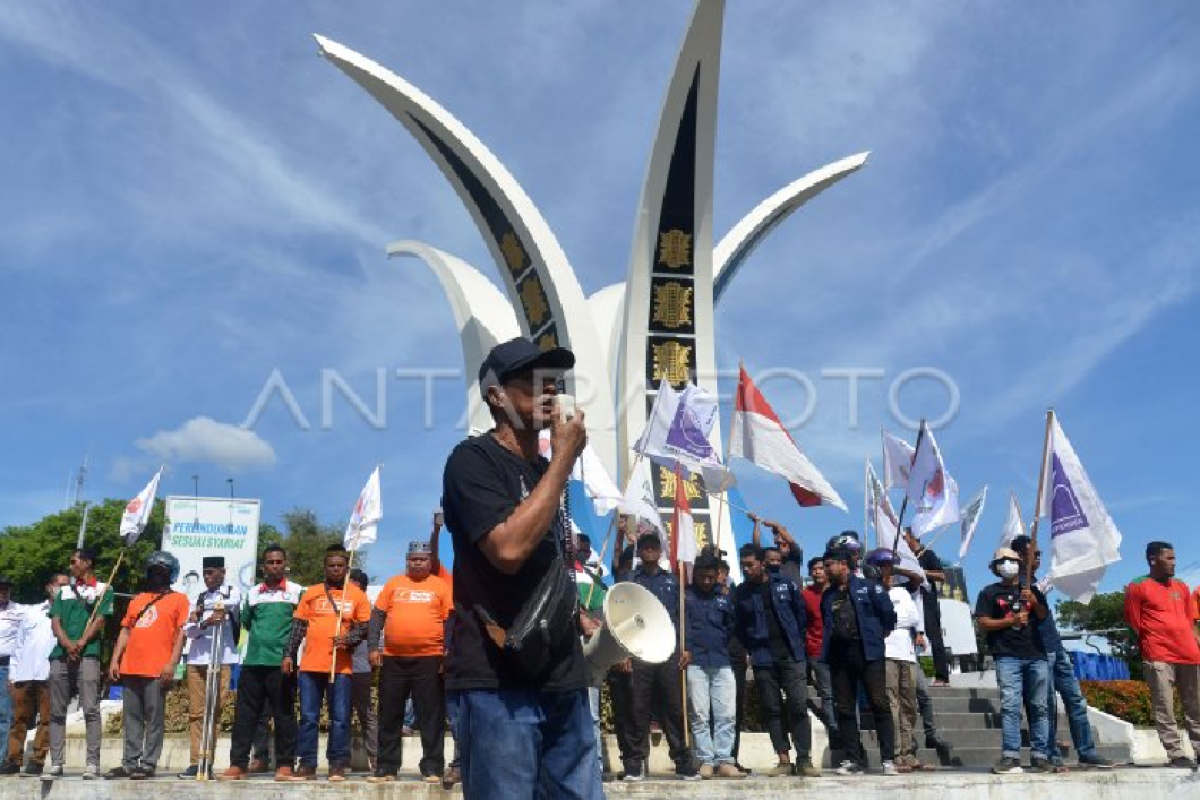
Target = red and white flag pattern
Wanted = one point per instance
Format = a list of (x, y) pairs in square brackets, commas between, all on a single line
[(683, 527), (757, 435)]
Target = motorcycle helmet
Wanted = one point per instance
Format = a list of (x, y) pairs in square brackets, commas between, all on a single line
[(161, 558)]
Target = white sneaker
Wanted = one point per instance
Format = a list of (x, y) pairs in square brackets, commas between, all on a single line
[(55, 771), (889, 768), (849, 767), (91, 772)]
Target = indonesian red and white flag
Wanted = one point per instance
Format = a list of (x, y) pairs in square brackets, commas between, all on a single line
[(683, 528), (757, 435), (138, 510)]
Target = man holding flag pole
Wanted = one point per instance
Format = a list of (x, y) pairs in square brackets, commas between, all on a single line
[(330, 621)]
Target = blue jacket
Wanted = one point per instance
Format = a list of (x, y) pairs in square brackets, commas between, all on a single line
[(751, 618), (709, 624), (872, 608), (665, 587)]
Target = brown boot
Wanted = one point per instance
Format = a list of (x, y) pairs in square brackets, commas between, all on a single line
[(232, 774), (728, 771), (304, 773), (283, 774), (337, 774), (452, 776)]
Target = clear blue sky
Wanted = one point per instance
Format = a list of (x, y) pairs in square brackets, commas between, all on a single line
[(194, 199)]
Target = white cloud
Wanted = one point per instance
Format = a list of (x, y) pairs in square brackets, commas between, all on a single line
[(203, 439)]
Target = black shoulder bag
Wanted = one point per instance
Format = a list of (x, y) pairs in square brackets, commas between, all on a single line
[(548, 617)]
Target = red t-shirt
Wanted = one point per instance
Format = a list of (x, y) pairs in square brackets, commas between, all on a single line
[(1163, 615), (816, 625)]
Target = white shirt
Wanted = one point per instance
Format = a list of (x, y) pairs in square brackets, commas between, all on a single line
[(31, 661), (12, 616), (200, 639), (899, 644)]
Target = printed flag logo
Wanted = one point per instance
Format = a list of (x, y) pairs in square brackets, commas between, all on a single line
[(1066, 514)]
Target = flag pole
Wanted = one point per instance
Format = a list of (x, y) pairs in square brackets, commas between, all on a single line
[(1033, 528), (107, 587), (687, 739), (904, 505), (867, 501), (337, 631), (725, 454)]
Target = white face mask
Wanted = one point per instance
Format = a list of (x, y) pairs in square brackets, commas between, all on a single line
[(1008, 569)]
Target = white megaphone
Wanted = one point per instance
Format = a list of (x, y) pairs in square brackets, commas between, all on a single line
[(636, 625)]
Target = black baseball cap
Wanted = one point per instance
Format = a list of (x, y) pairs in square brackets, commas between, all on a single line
[(5, 581), (516, 355)]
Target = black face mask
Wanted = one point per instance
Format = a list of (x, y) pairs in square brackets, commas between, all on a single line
[(156, 581), (773, 569)]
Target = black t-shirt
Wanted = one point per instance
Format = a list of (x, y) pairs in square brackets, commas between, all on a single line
[(929, 561), (482, 485), (997, 602), (775, 640)]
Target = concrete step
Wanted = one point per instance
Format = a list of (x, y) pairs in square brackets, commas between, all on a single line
[(965, 705), (992, 692), (982, 757), (974, 737)]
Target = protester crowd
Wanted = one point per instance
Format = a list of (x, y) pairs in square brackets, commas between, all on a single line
[(851, 631), (493, 654)]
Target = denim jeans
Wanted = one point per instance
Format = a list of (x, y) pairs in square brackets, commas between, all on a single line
[(524, 744), (712, 689), (1063, 681), (1024, 681), (5, 707), (314, 686), (594, 708)]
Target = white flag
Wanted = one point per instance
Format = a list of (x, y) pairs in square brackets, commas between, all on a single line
[(596, 481), (897, 461), (363, 528), (970, 520), (885, 535), (931, 490), (137, 512), (1013, 526), (639, 495), (1084, 537), (878, 496), (677, 434)]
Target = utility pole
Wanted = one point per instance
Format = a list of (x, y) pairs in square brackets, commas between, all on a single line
[(80, 477)]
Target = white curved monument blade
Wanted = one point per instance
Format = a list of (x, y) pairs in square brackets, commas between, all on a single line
[(540, 284), (748, 233), (481, 313), (667, 332)]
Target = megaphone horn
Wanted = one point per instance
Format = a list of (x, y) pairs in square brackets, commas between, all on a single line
[(636, 625)]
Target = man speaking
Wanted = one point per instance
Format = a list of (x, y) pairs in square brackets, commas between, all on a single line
[(515, 673)]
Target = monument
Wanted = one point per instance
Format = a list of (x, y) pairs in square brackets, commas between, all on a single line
[(658, 324)]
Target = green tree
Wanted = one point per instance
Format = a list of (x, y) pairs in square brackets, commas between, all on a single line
[(29, 553), (1105, 612), (305, 539)]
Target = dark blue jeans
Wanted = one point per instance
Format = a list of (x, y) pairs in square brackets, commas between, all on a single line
[(526, 745), (314, 686), (1063, 682)]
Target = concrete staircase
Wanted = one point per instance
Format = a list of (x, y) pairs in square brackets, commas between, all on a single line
[(969, 720)]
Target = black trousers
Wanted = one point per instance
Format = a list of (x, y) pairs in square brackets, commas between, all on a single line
[(262, 688), (620, 690), (418, 677), (933, 632), (662, 683), (262, 736), (782, 685), (850, 670)]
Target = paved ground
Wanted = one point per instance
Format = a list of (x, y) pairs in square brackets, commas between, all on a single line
[(1133, 782)]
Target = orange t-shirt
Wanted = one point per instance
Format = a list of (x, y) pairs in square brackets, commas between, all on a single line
[(152, 634), (319, 607), (416, 613)]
